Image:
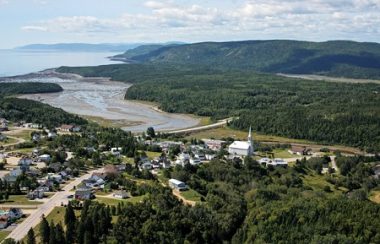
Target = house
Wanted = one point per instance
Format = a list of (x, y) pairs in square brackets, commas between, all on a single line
[(36, 137), (209, 156), (11, 179), (36, 194), (121, 195), (44, 158), (278, 162), (177, 185), (15, 213), (121, 167), (32, 126), (183, 159), (3, 124), (242, 148), (146, 166), (214, 145), (52, 135), (167, 145), (300, 150), (44, 188), (16, 172), (116, 151), (69, 128), (4, 222), (25, 162), (55, 177), (56, 167), (195, 161), (83, 193), (3, 137)]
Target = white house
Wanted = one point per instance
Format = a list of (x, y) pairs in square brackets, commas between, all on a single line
[(242, 148), (183, 159), (121, 195), (195, 161), (44, 158), (177, 185)]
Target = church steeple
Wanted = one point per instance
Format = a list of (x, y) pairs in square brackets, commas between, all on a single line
[(250, 135), (250, 141)]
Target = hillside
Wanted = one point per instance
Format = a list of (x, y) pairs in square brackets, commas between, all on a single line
[(80, 47), (333, 58)]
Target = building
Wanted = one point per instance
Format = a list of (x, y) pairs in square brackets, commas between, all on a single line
[(300, 150), (183, 159), (177, 185), (242, 148), (69, 128), (36, 194), (121, 195), (83, 193), (214, 145), (3, 124), (44, 158), (274, 162)]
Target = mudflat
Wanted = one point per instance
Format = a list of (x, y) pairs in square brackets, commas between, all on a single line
[(102, 99)]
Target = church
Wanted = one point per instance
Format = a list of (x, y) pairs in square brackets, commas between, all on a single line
[(242, 148)]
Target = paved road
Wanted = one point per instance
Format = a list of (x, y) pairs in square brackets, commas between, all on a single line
[(218, 124), (44, 209)]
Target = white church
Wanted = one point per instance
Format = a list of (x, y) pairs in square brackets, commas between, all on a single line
[(242, 148)]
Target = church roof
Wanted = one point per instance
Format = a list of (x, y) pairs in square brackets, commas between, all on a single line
[(240, 145)]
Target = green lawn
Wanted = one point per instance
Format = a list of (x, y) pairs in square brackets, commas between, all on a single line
[(318, 182), (9, 140), (191, 195), (375, 196), (19, 200), (225, 132), (114, 202), (3, 234)]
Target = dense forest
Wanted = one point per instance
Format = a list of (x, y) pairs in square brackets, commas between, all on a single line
[(28, 88), (333, 58), (315, 110), (16, 110)]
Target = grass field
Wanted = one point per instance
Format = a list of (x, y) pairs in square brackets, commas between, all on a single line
[(9, 140), (318, 182), (19, 200), (114, 202), (21, 133), (191, 195), (375, 196), (225, 132), (3, 234)]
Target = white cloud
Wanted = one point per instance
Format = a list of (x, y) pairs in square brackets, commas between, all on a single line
[(253, 19)]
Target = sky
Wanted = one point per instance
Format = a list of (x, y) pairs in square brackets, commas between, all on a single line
[(134, 21)]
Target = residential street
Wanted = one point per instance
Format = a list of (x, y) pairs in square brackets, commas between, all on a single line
[(44, 209)]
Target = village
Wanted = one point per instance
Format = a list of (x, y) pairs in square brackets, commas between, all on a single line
[(32, 176)]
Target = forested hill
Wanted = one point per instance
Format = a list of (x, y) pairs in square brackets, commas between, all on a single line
[(28, 88), (333, 58), (16, 110)]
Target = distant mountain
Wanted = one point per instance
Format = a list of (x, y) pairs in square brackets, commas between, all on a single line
[(81, 47), (334, 58), (86, 47)]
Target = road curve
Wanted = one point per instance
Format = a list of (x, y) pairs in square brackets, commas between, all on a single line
[(44, 209), (218, 124)]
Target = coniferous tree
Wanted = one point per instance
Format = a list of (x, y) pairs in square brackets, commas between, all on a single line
[(44, 230), (31, 238), (70, 222)]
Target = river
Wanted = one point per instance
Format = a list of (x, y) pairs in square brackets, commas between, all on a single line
[(102, 100)]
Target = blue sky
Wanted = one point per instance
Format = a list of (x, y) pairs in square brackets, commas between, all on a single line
[(125, 21)]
